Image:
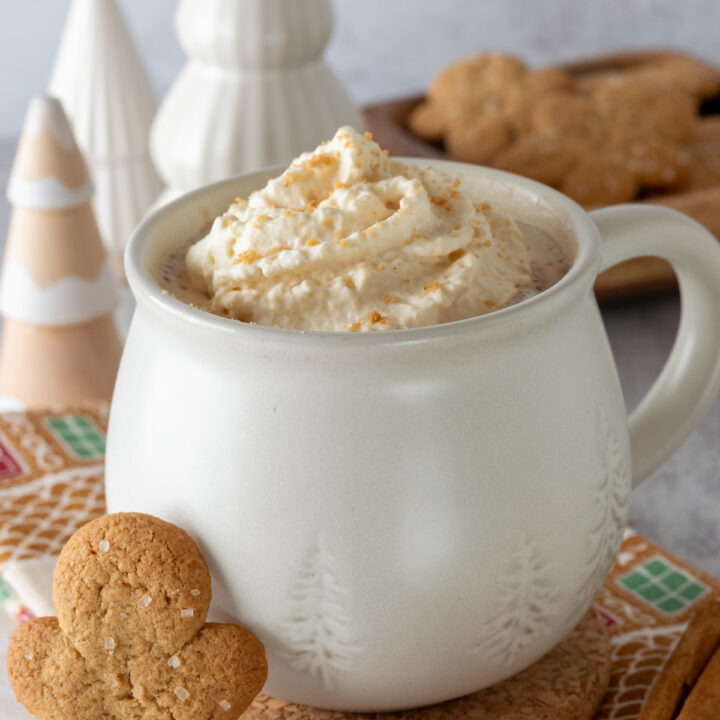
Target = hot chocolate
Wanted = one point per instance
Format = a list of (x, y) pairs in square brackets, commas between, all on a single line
[(349, 239), (547, 264)]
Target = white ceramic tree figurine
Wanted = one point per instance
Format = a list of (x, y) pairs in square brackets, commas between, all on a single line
[(100, 79), (255, 92)]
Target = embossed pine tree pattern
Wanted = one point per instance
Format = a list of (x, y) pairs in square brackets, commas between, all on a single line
[(318, 637), (526, 608), (610, 500)]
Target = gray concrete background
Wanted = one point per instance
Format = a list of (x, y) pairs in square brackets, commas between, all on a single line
[(383, 48)]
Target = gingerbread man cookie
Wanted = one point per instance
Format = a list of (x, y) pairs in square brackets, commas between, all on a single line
[(601, 152), (664, 75), (480, 104), (464, 89), (601, 137), (130, 641)]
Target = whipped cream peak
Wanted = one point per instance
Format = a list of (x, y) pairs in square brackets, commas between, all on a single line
[(349, 239), (349, 158)]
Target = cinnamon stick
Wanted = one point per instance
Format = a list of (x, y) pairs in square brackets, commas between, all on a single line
[(703, 703), (683, 668)]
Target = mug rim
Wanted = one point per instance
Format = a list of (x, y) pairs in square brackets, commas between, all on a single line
[(582, 271)]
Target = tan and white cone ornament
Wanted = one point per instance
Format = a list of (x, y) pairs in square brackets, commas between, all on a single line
[(57, 290)]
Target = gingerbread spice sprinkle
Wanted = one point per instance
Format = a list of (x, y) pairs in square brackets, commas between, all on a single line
[(247, 257)]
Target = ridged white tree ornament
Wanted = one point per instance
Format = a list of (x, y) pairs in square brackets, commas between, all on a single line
[(255, 92), (102, 84)]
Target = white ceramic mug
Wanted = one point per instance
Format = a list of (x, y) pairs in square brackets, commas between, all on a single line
[(405, 517)]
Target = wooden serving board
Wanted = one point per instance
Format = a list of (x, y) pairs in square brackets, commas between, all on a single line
[(642, 276)]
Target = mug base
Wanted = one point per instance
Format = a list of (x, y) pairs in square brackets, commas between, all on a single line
[(573, 677)]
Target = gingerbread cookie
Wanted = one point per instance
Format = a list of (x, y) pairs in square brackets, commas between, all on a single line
[(678, 74), (132, 593), (428, 122), (544, 158), (602, 137), (703, 149), (566, 116), (480, 141), (479, 105), (621, 139), (477, 75), (480, 87), (594, 181), (656, 163), (638, 107), (539, 83), (706, 130), (663, 75)]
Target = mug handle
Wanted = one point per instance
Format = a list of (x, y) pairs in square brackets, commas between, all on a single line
[(690, 379)]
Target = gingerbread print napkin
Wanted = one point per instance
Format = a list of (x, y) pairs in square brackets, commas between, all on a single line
[(51, 483)]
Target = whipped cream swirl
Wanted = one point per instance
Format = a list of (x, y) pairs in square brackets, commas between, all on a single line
[(349, 239)]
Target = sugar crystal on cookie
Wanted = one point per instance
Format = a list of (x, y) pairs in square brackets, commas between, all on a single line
[(113, 651)]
